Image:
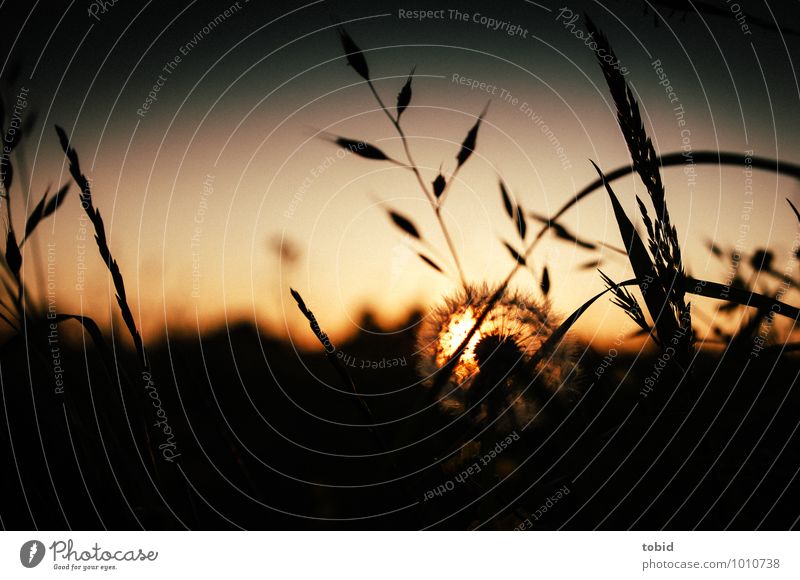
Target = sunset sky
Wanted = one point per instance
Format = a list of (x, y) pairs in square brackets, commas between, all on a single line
[(233, 152)]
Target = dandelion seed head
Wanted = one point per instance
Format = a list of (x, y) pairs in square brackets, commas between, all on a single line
[(497, 372)]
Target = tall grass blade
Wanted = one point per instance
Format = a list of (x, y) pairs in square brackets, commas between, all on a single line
[(545, 284), (664, 246), (362, 149), (558, 335), (514, 212), (740, 296), (430, 263), (508, 205), (102, 244), (519, 258), (56, 201), (355, 57), (717, 158), (35, 217), (522, 226), (404, 96), (591, 265), (627, 302), (13, 255), (714, 249), (404, 224), (794, 209), (468, 146), (564, 234), (44, 209), (439, 185), (654, 296)]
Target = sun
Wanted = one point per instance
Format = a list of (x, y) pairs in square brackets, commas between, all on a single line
[(453, 334)]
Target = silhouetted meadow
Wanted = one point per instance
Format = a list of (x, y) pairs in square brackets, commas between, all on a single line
[(476, 414)]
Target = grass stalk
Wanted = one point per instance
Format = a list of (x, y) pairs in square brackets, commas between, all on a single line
[(435, 203), (365, 411)]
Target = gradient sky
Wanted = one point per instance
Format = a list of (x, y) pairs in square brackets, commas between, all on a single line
[(231, 153)]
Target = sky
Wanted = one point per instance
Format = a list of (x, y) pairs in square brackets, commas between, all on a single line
[(206, 129)]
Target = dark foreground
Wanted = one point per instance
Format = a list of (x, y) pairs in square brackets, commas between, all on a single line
[(251, 436)]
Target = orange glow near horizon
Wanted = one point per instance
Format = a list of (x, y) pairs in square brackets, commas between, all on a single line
[(199, 256)]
